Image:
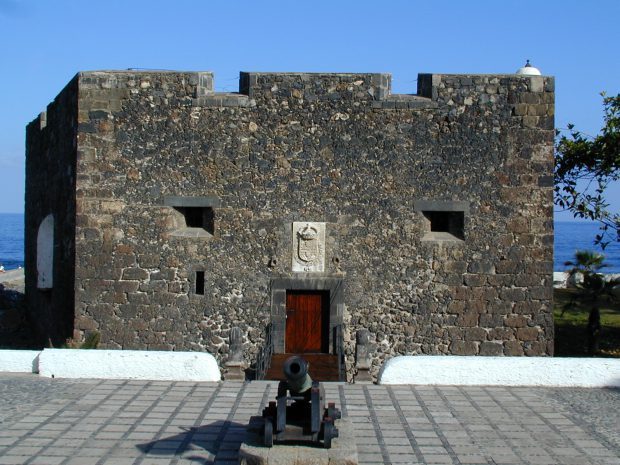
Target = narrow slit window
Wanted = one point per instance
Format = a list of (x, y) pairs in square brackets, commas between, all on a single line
[(200, 282)]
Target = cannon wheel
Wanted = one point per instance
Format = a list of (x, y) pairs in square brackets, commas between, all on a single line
[(328, 434), (268, 433)]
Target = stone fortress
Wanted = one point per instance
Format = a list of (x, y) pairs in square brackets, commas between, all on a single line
[(313, 212)]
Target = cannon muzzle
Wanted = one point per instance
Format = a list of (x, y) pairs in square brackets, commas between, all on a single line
[(296, 372)]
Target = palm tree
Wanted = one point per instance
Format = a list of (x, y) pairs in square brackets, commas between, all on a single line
[(588, 264)]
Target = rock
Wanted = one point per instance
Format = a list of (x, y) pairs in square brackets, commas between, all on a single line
[(10, 319)]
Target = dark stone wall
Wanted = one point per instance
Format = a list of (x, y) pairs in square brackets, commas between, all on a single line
[(334, 148), (51, 142)]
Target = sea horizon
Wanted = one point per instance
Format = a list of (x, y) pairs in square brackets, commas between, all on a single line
[(569, 236)]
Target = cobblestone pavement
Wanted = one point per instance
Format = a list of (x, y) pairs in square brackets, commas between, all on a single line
[(120, 422)]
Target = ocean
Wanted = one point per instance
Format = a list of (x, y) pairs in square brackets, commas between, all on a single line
[(11, 240), (569, 237)]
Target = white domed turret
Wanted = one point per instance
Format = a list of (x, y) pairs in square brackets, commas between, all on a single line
[(528, 70)]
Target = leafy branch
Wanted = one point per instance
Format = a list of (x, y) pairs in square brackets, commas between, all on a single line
[(584, 168)]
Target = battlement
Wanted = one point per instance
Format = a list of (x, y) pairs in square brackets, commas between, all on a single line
[(197, 88)]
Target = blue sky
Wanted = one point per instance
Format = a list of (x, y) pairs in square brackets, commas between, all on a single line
[(45, 42)]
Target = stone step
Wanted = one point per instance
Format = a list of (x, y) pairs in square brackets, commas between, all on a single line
[(322, 367)]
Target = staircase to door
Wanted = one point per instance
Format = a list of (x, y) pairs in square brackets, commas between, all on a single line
[(322, 367), (307, 335)]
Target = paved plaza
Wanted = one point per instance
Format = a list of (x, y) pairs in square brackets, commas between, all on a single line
[(122, 422)]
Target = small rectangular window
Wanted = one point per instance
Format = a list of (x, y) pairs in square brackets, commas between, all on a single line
[(446, 224), (193, 216), (200, 282), (444, 220), (198, 217)]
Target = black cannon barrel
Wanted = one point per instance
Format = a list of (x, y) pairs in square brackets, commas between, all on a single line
[(296, 372)]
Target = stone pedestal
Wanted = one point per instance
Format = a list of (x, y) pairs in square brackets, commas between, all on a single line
[(363, 376), (342, 452), (235, 367), (363, 361), (234, 371)]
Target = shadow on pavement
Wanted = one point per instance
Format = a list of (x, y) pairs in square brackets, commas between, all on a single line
[(202, 444)]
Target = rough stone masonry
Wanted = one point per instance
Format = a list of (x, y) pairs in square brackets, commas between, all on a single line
[(172, 209)]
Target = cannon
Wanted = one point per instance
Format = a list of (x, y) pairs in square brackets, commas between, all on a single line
[(299, 414)]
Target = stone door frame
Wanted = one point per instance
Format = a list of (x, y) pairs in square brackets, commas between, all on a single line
[(279, 286)]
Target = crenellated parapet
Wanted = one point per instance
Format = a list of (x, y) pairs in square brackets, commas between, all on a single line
[(529, 97)]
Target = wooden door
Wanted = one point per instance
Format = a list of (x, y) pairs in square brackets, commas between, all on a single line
[(307, 322)]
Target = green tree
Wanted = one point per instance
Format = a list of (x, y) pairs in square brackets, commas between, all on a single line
[(586, 262), (590, 292), (584, 168)]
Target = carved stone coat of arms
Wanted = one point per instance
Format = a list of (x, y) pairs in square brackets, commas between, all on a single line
[(308, 247)]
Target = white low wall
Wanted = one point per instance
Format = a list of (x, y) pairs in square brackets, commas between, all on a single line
[(417, 370), (501, 371), (562, 279), (128, 364), (559, 279), (19, 361)]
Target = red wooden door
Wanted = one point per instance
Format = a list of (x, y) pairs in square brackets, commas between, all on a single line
[(307, 322)]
